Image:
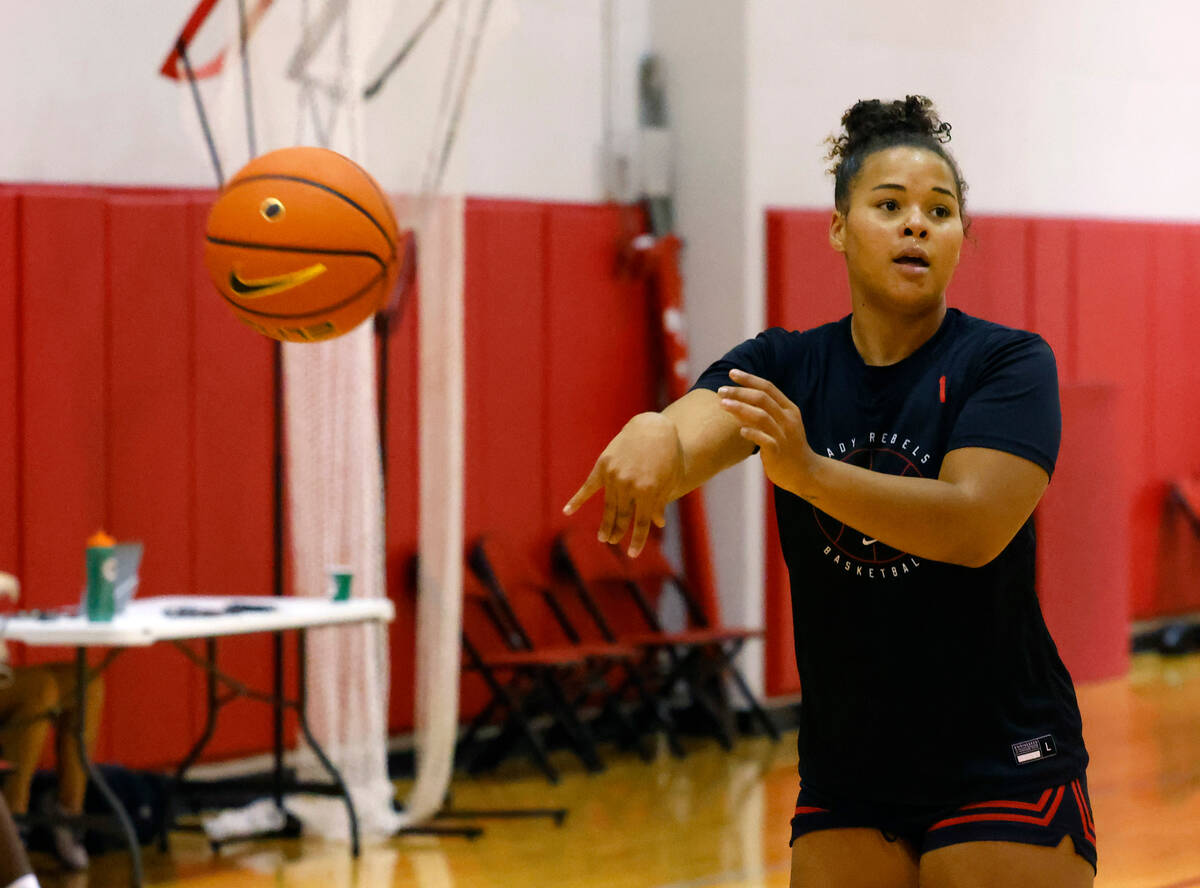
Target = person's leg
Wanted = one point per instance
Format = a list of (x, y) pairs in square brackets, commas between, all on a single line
[(15, 871), (852, 858), (1005, 865), (72, 777), (25, 711)]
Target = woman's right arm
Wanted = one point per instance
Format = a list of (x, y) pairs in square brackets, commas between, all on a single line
[(657, 458)]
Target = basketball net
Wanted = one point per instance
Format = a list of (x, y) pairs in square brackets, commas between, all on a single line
[(301, 81)]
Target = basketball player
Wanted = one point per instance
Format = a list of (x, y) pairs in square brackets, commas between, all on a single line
[(908, 444)]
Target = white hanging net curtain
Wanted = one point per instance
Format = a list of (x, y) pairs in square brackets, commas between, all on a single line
[(304, 78)]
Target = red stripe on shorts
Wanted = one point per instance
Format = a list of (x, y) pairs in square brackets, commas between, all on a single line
[(1039, 805), (1085, 817), (1017, 818), (800, 809), (1087, 808)]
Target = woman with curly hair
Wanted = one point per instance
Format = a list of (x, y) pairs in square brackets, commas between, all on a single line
[(908, 444)]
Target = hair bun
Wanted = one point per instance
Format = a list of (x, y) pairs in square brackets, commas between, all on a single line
[(869, 120)]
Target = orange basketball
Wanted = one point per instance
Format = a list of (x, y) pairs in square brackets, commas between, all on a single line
[(301, 244)]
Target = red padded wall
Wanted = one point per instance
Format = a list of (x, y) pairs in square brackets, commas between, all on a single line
[(1179, 557), (993, 272), (1054, 289), (63, 398), (1116, 303), (148, 448), (806, 278), (598, 365), (1080, 525), (10, 343), (506, 304), (1173, 395), (135, 407), (1169, 585)]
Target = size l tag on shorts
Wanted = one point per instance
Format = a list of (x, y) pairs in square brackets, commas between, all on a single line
[(1034, 750)]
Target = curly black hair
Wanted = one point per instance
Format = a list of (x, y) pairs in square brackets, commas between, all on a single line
[(871, 125)]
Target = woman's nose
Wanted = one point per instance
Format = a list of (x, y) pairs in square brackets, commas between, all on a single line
[(916, 228)]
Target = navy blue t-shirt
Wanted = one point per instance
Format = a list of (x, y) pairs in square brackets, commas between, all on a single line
[(923, 682)]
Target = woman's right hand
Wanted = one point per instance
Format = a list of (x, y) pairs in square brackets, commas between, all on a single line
[(640, 470)]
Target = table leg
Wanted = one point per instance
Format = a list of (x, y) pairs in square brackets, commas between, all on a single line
[(135, 851), (210, 724), (302, 711), (278, 706)]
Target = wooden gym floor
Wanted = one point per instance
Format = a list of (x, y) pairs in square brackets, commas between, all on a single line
[(720, 820)]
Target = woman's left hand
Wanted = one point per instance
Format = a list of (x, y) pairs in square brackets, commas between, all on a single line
[(770, 420)]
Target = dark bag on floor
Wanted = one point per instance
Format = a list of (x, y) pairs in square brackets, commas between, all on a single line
[(143, 794)]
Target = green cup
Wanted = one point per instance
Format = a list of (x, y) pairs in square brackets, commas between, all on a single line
[(101, 579), (340, 578)]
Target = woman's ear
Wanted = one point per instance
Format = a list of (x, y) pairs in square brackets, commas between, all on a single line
[(837, 231)]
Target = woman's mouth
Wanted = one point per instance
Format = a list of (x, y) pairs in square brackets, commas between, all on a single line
[(914, 261)]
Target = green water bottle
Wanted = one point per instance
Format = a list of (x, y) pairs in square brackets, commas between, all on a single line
[(101, 576)]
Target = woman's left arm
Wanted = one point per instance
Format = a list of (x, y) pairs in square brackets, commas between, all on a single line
[(967, 515)]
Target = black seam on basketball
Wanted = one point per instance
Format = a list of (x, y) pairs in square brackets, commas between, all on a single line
[(306, 250), (386, 237), (358, 294), (387, 204)]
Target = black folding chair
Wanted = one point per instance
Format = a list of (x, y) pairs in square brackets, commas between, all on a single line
[(716, 644), (505, 575), (526, 686), (697, 656)]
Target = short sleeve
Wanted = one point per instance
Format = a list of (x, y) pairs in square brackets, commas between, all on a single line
[(757, 356), (1013, 405)]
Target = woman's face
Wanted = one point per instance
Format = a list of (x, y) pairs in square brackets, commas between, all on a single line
[(902, 232)]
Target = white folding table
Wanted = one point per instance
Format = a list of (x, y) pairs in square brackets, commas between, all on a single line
[(180, 618)]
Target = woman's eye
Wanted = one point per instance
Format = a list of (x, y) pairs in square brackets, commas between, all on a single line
[(890, 205), (941, 212)]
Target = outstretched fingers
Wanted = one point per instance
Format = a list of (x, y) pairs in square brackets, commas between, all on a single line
[(625, 510), (646, 515), (608, 520), (593, 483), (638, 470)]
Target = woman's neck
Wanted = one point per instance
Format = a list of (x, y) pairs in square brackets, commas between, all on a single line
[(885, 338)]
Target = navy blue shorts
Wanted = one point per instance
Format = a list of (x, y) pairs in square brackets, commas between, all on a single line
[(1039, 818)]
